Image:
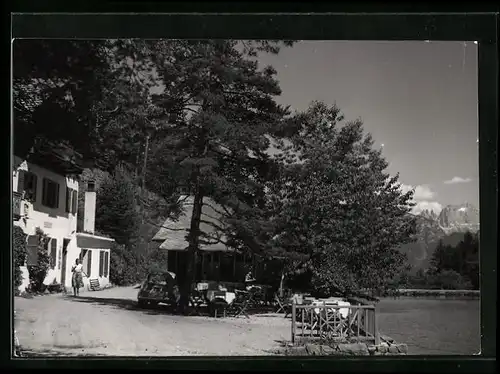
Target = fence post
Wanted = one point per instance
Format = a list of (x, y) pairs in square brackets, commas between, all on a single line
[(377, 338), (294, 311)]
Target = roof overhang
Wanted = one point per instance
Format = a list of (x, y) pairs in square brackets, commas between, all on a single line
[(89, 241)]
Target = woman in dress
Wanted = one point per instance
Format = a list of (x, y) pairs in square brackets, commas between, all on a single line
[(77, 279)]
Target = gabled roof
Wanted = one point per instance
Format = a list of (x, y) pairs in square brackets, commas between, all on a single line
[(173, 233)]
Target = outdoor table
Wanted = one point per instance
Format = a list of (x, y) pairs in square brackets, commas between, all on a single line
[(226, 295)]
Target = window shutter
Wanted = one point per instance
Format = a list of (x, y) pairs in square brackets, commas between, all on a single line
[(89, 262), (56, 202), (53, 253), (32, 249), (45, 192), (101, 263), (74, 201), (106, 263), (68, 199), (20, 181)]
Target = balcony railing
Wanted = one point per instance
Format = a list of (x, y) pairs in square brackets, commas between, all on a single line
[(326, 322), (16, 204)]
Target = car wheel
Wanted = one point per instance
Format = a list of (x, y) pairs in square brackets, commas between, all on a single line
[(142, 303)]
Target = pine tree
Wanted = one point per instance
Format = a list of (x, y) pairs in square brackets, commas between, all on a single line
[(116, 211), (215, 114)]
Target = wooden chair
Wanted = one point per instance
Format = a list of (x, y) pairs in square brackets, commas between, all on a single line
[(94, 285), (240, 304), (283, 305)]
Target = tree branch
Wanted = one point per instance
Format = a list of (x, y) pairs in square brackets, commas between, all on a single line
[(213, 208), (213, 225)]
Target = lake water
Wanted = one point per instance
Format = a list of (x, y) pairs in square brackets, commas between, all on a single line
[(432, 326)]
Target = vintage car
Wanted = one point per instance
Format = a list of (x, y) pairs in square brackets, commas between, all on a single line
[(159, 287)]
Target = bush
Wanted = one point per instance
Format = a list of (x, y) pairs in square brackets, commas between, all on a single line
[(126, 267), (20, 254), (449, 280), (38, 272)]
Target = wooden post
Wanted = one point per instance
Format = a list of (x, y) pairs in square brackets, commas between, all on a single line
[(282, 282), (377, 337), (366, 321), (294, 311), (359, 321), (234, 266)]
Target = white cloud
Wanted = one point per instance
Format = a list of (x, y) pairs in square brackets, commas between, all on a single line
[(422, 192), (422, 197), (456, 180)]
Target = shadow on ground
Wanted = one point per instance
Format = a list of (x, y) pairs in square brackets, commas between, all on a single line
[(161, 309), (126, 304)]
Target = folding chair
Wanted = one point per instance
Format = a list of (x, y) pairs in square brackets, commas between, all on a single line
[(240, 304), (281, 304), (196, 301)]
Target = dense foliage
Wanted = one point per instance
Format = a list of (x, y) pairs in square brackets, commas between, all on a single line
[(452, 267), (335, 207), (82, 85), (20, 254)]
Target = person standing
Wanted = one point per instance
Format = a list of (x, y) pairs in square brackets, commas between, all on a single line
[(77, 278)]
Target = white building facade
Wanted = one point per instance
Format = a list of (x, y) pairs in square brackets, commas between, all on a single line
[(48, 200)]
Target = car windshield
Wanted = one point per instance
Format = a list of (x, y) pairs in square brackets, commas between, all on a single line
[(157, 278)]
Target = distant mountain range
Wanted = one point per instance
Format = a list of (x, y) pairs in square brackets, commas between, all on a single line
[(449, 225)]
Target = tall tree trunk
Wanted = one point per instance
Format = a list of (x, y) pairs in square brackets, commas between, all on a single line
[(192, 252)]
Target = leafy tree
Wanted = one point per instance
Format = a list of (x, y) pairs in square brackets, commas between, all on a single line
[(38, 272), (116, 211), (72, 91), (338, 215), (20, 254), (212, 121)]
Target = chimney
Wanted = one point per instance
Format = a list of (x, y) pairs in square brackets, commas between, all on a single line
[(89, 209)]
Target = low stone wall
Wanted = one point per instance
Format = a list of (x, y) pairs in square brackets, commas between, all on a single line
[(387, 347)]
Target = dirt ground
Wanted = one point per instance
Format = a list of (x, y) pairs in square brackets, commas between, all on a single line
[(109, 323)]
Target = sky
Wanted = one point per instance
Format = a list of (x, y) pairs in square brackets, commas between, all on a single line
[(418, 99)]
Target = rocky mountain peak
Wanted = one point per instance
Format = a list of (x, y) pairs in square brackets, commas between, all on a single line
[(463, 217)]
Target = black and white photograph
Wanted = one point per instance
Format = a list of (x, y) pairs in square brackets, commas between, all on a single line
[(223, 197)]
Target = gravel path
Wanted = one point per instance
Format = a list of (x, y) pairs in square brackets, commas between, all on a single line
[(109, 323)]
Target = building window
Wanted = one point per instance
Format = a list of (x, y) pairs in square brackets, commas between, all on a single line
[(74, 201), (50, 193), (86, 260), (89, 263), (106, 263), (71, 200), (53, 253), (101, 263), (27, 182)]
